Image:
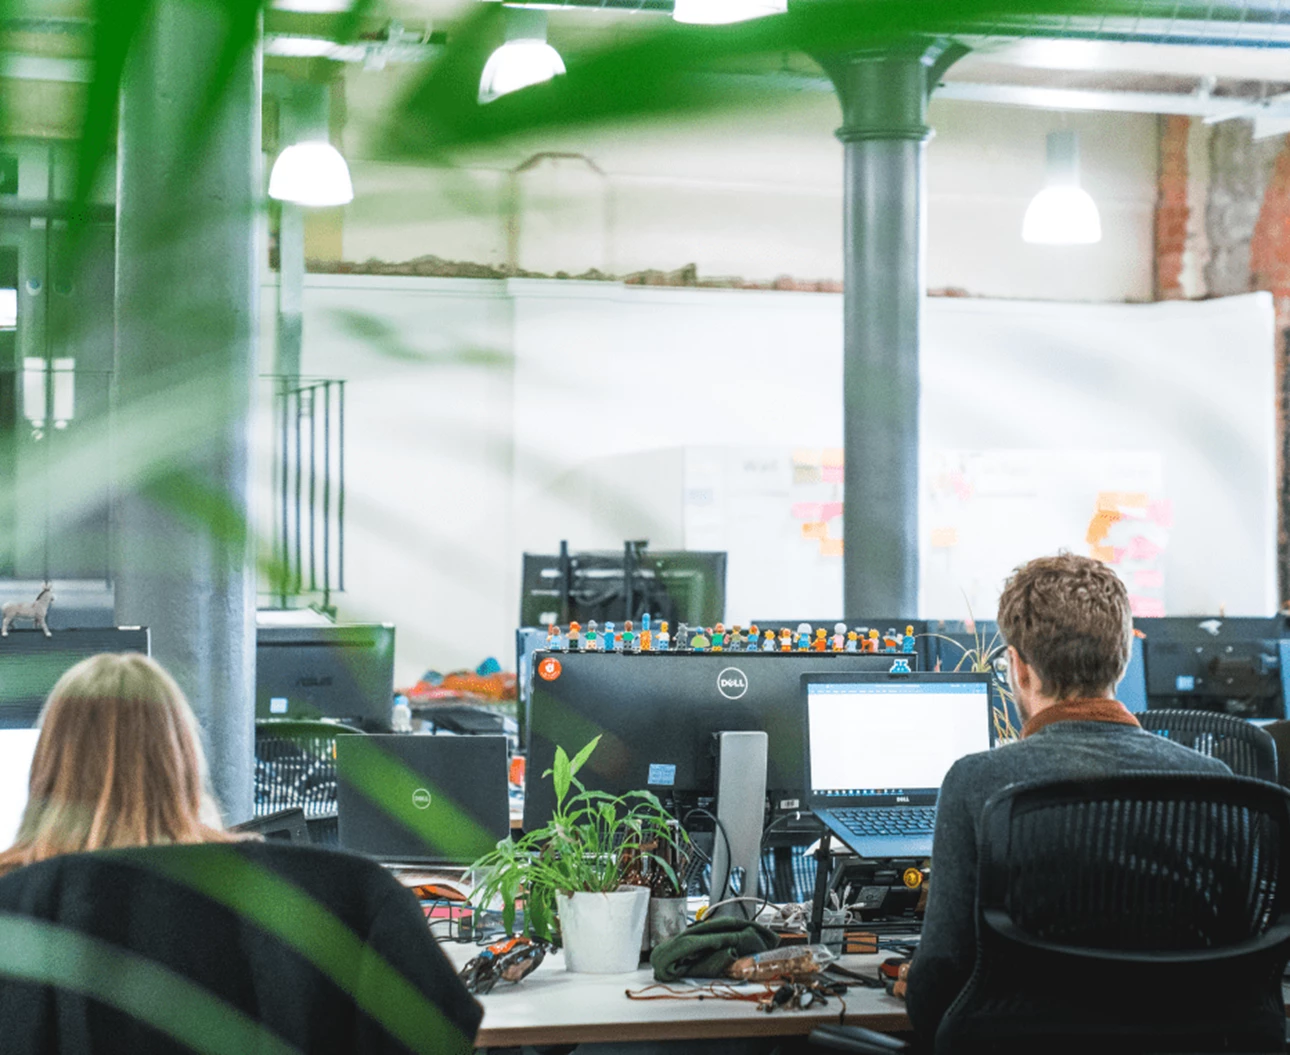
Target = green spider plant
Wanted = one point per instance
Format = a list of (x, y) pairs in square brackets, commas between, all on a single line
[(592, 843), (988, 657)]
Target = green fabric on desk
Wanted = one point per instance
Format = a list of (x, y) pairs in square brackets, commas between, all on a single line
[(706, 949)]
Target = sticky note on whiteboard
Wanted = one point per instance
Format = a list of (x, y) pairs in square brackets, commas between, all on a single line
[(832, 474), (815, 530), (807, 511), (829, 510), (1149, 579), (1147, 607), (830, 547), (944, 537)]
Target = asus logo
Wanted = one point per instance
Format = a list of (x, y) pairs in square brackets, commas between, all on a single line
[(902, 798)]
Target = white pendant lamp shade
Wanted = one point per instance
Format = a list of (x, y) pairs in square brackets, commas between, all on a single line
[(721, 12), (311, 173), (1063, 213), (518, 64)]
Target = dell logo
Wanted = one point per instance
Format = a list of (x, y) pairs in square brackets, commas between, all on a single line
[(732, 683), (421, 798), (902, 798)]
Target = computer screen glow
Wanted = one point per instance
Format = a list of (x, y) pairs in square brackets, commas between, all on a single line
[(893, 737), (16, 748)]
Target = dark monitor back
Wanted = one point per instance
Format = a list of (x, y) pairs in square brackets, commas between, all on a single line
[(30, 664), (283, 826), (681, 586), (1228, 665), (344, 672), (658, 711)]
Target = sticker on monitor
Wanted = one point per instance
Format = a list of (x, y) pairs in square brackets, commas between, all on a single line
[(661, 775), (277, 705), (1184, 683)]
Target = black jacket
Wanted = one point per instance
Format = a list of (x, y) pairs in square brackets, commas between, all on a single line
[(246, 948)]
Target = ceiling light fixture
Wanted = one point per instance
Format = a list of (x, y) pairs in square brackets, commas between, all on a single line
[(1063, 213), (311, 173), (525, 59), (721, 12)]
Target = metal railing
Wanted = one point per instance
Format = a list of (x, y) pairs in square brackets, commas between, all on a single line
[(309, 486)]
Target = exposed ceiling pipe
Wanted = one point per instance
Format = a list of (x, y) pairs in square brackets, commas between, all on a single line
[(1211, 108)]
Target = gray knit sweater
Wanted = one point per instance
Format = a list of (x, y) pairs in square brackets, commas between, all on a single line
[(1063, 750)]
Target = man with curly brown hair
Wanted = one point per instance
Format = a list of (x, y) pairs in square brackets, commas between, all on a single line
[(1068, 628)]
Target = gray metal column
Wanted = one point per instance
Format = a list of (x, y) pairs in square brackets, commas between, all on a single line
[(186, 317), (884, 108)]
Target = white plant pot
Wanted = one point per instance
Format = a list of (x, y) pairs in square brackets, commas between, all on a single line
[(602, 932)]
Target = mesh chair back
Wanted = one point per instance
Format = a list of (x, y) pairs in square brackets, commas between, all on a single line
[(1247, 749), (1139, 913), (295, 766)]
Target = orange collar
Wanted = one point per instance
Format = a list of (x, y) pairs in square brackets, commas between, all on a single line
[(1095, 710)]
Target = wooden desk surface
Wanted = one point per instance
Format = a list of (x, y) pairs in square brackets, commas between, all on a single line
[(553, 1006)]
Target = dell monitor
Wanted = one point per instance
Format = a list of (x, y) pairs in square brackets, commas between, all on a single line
[(341, 672), (658, 714)]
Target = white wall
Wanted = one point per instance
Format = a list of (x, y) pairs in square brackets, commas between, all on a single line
[(758, 195), (486, 418)]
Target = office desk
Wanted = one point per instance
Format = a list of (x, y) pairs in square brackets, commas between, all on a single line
[(552, 1006)]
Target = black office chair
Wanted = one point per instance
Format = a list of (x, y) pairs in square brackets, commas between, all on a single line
[(244, 947), (1247, 749), (295, 767), (1142, 913), (1280, 733)]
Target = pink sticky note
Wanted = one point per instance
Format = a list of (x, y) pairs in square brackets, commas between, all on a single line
[(1162, 512), (1142, 548), (829, 510), (1147, 607), (832, 474), (807, 511), (1149, 579), (1117, 554)]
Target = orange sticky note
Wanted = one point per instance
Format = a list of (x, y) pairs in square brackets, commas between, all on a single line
[(830, 547), (1100, 526), (816, 530), (833, 457), (807, 456), (1106, 554), (945, 537)]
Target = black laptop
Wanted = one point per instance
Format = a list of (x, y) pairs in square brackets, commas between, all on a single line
[(407, 799), (878, 747)]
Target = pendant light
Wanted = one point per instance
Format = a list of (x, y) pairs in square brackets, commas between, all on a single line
[(1062, 213), (525, 59), (311, 173)]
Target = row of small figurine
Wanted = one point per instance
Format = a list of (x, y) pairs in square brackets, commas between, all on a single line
[(719, 639)]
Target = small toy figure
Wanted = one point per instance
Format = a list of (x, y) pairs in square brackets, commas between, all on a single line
[(682, 636), (891, 640), (700, 642), (559, 642), (770, 644), (628, 636), (852, 638), (664, 639), (576, 643), (736, 641), (593, 642), (874, 645), (786, 640), (718, 638), (611, 637), (839, 636), (35, 611), (647, 635), (550, 636), (803, 637), (821, 642), (754, 639), (907, 645)]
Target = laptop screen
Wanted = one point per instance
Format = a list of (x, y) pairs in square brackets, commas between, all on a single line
[(17, 746), (891, 740)]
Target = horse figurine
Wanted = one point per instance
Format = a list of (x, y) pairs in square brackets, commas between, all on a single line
[(35, 611)]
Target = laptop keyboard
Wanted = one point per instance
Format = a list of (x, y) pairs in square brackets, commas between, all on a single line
[(888, 820)]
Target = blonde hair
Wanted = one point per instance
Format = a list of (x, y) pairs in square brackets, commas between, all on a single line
[(118, 763)]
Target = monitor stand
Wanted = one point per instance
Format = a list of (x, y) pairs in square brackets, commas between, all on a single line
[(741, 806)]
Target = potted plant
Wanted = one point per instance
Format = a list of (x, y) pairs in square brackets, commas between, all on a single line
[(988, 656), (570, 875)]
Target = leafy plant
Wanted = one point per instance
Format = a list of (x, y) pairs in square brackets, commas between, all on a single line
[(593, 841), (988, 657)]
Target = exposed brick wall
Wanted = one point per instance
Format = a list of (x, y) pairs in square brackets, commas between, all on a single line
[(1171, 207)]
